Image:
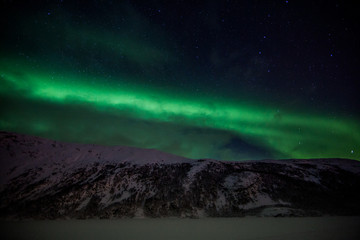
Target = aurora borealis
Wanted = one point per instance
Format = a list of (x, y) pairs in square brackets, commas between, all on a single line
[(231, 81)]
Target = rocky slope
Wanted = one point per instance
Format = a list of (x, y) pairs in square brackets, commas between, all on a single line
[(45, 179)]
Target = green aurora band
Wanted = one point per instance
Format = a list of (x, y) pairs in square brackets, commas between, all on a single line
[(291, 135)]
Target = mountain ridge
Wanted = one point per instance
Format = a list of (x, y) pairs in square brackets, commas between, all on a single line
[(46, 179)]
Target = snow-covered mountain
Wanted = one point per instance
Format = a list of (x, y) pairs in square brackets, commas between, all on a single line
[(41, 178)]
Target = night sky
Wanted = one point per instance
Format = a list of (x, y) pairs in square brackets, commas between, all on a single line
[(230, 80)]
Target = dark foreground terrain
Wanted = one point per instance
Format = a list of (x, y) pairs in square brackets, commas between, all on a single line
[(248, 228)]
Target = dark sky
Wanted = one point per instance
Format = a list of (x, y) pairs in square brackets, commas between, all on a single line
[(230, 80)]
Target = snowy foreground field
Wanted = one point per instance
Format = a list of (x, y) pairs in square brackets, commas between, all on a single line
[(173, 228)]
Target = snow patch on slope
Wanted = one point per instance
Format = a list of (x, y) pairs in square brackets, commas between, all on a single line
[(263, 200), (196, 168)]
